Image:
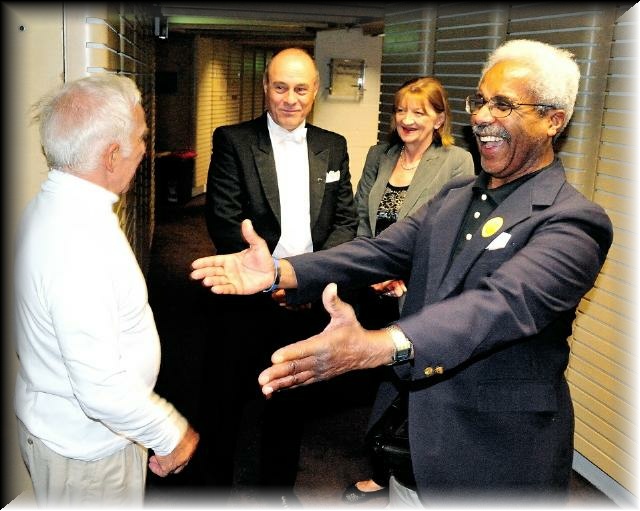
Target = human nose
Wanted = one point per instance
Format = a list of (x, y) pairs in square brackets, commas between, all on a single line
[(290, 97), (408, 118), (483, 115)]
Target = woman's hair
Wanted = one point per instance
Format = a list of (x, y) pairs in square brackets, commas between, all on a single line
[(430, 92), (81, 119), (555, 74)]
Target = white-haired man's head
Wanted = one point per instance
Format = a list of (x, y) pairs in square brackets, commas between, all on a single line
[(555, 74)]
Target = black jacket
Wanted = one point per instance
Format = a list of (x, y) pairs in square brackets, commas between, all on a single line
[(242, 183)]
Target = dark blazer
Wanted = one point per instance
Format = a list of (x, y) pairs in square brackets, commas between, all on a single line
[(242, 183), (494, 323), (438, 165)]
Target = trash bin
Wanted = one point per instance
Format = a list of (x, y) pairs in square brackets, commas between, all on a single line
[(174, 177)]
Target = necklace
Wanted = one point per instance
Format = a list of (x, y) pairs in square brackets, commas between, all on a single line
[(402, 161)]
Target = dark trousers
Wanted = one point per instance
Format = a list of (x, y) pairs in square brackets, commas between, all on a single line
[(376, 311), (252, 441)]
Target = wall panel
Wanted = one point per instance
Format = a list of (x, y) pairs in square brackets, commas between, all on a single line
[(117, 38)]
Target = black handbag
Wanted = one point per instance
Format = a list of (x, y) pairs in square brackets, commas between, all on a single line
[(389, 440)]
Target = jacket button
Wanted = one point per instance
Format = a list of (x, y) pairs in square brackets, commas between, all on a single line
[(428, 371), (439, 369)]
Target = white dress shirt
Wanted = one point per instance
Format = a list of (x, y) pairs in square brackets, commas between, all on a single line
[(292, 167), (86, 337)]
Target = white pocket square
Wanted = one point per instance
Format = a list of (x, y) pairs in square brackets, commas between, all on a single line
[(332, 175), (499, 242)]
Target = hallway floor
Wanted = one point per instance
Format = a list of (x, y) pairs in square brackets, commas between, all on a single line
[(332, 455)]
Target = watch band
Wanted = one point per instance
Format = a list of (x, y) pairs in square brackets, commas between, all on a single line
[(403, 346), (276, 279)]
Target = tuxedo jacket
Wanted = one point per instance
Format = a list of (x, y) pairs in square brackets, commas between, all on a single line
[(242, 183), (438, 165), (489, 407)]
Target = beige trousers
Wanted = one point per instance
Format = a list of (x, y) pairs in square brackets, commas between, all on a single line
[(117, 480), (402, 497)]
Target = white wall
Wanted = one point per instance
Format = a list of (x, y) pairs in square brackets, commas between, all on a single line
[(33, 52), (356, 120)]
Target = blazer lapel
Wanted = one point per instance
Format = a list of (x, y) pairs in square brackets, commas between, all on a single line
[(421, 179), (513, 210), (442, 240), (318, 168), (266, 168), (540, 190)]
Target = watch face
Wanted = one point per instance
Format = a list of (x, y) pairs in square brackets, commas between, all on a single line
[(403, 354)]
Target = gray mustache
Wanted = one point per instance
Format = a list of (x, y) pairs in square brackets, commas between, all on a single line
[(491, 131)]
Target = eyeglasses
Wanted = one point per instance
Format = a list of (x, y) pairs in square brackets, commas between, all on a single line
[(498, 106)]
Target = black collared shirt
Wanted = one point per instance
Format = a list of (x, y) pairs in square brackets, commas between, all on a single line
[(484, 201)]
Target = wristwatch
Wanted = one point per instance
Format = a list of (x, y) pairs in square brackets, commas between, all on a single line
[(276, 279), (404, 347)]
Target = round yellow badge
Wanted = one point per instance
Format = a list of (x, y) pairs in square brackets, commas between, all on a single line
[(492, 226)]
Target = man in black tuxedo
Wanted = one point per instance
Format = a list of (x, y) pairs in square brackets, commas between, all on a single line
[(292, 180), (495, 268)]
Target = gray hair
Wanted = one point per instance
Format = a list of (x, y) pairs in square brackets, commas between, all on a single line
[(556, 75), (80, 120)]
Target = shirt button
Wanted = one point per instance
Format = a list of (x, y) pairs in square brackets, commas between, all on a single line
[(468, 236), (29, 441), (476, 214), (483, 196)]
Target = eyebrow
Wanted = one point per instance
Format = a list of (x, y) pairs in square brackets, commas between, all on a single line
[(500, 97), (294, 86)]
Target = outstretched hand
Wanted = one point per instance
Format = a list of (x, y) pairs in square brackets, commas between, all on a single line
[(242, 273), (343, 346)]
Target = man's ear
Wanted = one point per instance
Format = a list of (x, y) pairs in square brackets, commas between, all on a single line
[(556, 120), (110, 156)]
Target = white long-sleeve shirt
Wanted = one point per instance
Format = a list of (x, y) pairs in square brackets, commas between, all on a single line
[(86, 337)]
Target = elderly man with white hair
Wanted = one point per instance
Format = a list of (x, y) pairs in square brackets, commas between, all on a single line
[(86, 337)]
